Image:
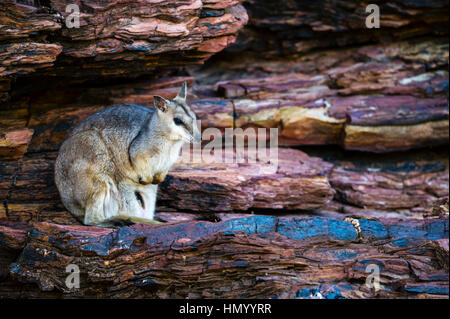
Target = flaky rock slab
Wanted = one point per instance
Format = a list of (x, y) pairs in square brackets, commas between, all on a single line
[(253, 257)]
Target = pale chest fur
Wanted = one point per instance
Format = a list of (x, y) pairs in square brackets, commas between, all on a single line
[(148, 165), (163, 160)]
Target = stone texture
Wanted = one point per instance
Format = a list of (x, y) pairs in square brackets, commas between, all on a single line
[(252, 257), (136, 36), (297, 182), (376, 106), (14, 143)]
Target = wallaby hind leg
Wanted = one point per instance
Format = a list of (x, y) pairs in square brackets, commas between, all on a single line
[(83, 173), (103, 203), (125, 204)]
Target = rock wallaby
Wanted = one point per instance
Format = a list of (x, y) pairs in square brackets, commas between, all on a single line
[(108, 168)]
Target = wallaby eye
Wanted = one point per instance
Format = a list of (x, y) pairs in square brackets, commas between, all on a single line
[(177, 121)]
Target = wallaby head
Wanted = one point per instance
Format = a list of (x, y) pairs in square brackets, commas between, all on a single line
[(177, 117)]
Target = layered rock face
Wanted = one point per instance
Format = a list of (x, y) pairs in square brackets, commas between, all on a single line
[(315, 71), (115, 38), (361, 176), (252, 257)]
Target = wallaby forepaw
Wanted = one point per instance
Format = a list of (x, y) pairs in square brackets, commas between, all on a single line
[(159, 178)]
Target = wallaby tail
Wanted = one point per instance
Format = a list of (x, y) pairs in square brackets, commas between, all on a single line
[(122, 220)]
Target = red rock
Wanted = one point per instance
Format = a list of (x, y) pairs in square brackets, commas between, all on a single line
[(164, 261), (299, 182), (14, 143), (112, 31), (27, 57)]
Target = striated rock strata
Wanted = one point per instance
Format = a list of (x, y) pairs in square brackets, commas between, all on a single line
[(252, 257)]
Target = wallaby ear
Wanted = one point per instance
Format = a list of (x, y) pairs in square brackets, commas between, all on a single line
[(183, 92), (160, 103)]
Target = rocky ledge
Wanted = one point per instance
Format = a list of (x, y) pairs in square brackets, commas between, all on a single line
[(251, 257)]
